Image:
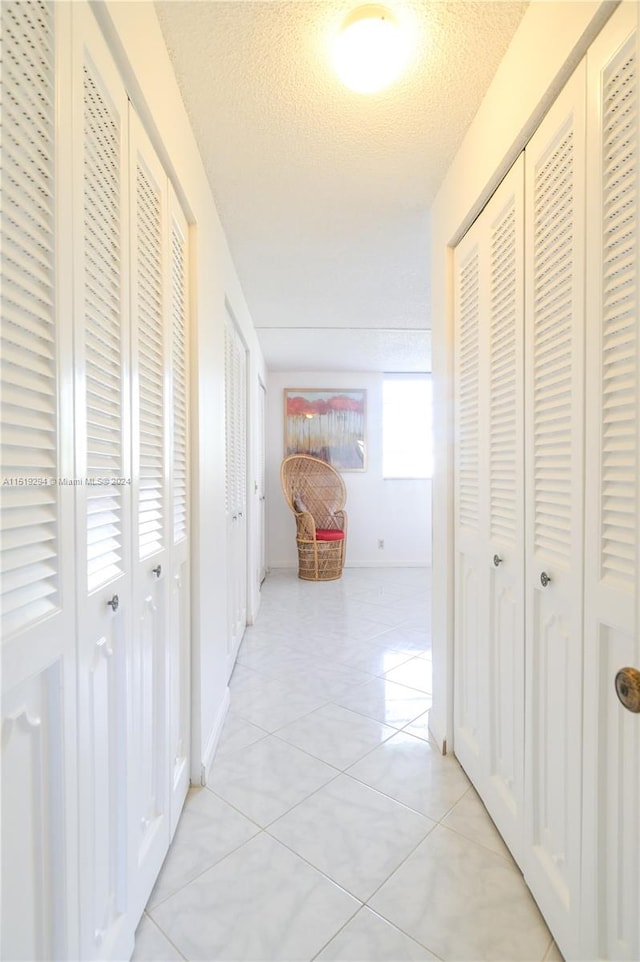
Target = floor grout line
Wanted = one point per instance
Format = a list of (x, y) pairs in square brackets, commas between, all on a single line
[(282, 605)]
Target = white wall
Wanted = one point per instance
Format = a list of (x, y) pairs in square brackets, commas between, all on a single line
[(399, 512), (134, 35), (550, 41)]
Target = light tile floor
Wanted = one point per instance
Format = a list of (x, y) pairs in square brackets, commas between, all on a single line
[(331, 826)]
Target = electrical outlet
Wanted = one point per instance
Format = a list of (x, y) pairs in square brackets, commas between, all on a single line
[(381, 542)]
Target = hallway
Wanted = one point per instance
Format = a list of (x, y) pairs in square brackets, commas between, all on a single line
[(331, 827)]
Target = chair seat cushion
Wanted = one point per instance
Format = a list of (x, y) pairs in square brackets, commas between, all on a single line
[(329, 534)]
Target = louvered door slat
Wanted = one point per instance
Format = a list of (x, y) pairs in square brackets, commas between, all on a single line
[(37, 418), (103, 348), (38, 536), (33, 188), (28, 336), (14, 354), (553, 210), (241, 402), (104, 337), (468, 373), (37, 594), (503, 408), (13, 438), (33, 229), (619, 321), (20, 306), (178, 280), (17, 262), (150, 364)]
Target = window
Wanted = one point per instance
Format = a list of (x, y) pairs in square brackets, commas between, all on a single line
[(406, 426)]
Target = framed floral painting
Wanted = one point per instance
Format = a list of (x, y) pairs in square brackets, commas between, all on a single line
[(327, 424)]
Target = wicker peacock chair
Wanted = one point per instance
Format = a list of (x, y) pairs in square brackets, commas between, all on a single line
[(316, 494)]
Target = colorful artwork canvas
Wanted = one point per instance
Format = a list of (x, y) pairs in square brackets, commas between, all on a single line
[(326, 424)]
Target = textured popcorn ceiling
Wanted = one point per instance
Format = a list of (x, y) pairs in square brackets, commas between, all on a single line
[(324, 193)]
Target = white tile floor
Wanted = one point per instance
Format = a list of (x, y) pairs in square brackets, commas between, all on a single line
[(331, 827)]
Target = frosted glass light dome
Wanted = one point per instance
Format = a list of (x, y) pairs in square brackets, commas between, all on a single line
[(370, 50)]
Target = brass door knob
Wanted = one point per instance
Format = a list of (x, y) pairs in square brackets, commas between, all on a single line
[(628, 688)]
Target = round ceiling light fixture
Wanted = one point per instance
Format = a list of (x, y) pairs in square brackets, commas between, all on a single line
[(370, 50)]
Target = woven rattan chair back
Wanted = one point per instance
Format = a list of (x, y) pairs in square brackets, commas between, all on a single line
[(314, 485), (316, 494)]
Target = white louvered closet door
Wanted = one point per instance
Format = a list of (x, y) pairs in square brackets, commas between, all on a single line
[(503, 554), (103, 501), (241, 490), (230, 487), (554, 432), (489, 728), (611, 873), (179, 518), (471, 504), (39, 809), (236, 488), (149, 677), (262, 483)]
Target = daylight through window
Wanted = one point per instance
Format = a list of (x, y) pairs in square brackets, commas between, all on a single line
[(406, 426)]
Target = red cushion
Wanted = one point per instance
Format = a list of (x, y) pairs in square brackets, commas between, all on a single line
[(329, 534)]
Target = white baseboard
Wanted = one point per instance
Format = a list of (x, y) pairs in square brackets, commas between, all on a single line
[(214, 737)]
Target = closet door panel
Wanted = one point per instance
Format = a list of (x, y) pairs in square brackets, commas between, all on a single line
[(149, 788), (179, 601), (262, 484), (230, 487), (489, 505), (472, 571), (241, 487), (38, 720), (236, 486), (611, 876), (103, 501), (504, 553), (554, 351), (35, 866)]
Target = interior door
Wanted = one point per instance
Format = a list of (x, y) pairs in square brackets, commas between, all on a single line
[(471, 562), (149, 674), (236, 487), (554, 433), (231, 508), (39, 774), (503, 324), (611, 877), (241, 405), (262, 483), (490, 505), (103, 501), (179, 582)]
